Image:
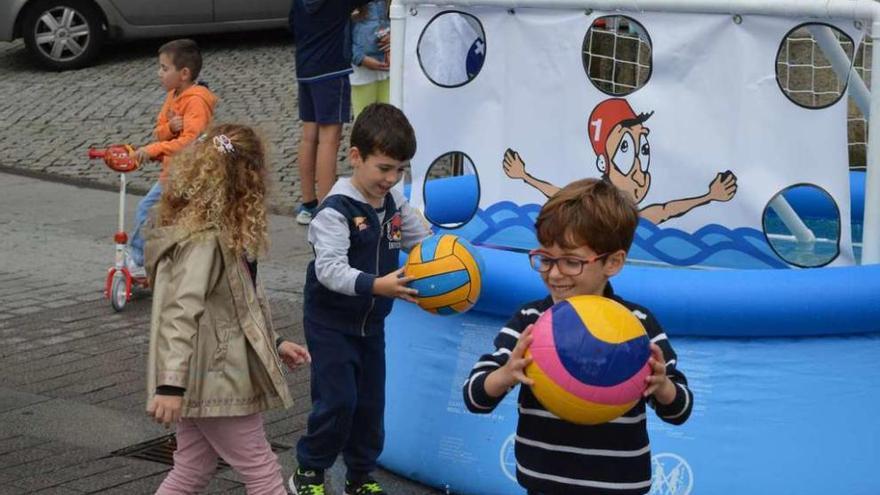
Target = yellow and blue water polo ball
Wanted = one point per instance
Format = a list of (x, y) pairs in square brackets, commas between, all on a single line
[(447, 272), (589, 359)]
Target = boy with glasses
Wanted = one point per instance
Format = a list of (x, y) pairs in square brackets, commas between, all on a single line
[(585, 231)]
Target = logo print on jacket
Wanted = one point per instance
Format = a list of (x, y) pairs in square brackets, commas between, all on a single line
[(394, 232)]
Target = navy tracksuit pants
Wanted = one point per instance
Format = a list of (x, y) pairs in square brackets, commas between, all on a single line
[(348, 401)]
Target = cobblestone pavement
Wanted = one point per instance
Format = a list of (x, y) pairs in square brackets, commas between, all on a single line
[(72, 370), (48, 119)]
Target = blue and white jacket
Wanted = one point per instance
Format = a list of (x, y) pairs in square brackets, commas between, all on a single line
[(363, 32), (354, 243)]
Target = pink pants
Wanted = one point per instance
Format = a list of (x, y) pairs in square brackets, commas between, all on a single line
[(240, 441)]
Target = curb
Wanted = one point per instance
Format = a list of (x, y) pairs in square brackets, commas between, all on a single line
[(93, 184)]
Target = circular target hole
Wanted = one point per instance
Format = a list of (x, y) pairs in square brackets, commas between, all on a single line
[(802, 226), (452, 190), (813, 64), (452, 49), (617, 55)]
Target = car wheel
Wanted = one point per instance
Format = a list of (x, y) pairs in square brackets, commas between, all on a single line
[(63, 34)]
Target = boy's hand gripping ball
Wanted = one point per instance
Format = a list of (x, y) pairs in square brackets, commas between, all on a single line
[(447, 273), (590, 359)]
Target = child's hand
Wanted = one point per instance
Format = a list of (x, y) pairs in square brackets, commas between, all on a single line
[(165, 409), (394, 285), (514, 370), (141, 155), (374, 64), (293, 355), (175, 122), (385, 42), (513, 165), (659, 385), (516, 365)]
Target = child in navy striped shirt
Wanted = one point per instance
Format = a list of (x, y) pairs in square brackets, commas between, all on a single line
[(585, 231)]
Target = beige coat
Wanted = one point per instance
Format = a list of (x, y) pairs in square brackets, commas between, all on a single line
[(210, 331)]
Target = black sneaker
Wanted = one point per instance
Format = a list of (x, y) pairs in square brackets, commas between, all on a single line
[(306, 482), (366, 486)]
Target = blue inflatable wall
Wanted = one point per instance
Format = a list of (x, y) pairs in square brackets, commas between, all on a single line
[(771, 415)]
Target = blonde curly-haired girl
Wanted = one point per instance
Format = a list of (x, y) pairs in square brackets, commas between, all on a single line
[(215, 361)]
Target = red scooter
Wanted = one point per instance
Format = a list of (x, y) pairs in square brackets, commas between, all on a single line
[(119, 158)]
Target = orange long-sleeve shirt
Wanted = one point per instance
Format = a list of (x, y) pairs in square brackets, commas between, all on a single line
[(196, 106)]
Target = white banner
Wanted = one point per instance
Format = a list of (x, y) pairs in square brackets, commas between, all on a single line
[(702, 148)]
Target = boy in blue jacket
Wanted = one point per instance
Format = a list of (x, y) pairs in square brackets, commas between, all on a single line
[(357, 234)]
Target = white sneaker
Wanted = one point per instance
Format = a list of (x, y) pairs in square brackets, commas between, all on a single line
[(304, 215), (135, 270)]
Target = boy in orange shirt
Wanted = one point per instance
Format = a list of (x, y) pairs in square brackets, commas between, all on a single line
[(186, 113)]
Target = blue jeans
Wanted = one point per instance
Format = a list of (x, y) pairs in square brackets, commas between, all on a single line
[(348, 401), (140, 218)]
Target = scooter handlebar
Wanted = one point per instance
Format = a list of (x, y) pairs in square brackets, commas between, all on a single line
[(119, 157)]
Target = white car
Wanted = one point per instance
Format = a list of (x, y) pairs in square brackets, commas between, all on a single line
[(67, 34)]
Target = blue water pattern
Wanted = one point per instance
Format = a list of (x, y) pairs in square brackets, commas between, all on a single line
[(507, 225)]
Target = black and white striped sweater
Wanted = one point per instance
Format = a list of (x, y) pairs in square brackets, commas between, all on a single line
[(557, 457)]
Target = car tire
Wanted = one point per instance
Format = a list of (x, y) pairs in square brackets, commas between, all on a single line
[(63, 34)]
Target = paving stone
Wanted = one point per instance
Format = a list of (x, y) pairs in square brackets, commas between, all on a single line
[(45, 466), (15, 458), (6, 489), (41, 482), (58, 490), (27, 310), (55, 386), (149, 484), (18, 442), (131, 470), (117, 391)]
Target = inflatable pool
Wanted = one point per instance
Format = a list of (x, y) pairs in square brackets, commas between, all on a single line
[(780, 377)]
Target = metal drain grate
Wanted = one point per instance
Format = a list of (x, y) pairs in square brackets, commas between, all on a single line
[(162, 449)]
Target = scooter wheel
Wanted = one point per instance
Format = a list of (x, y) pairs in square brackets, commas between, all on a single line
[(118, 292)]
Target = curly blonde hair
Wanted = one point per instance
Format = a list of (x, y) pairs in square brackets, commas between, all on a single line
[(224, 188)]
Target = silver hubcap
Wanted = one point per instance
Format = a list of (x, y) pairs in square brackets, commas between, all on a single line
[(62, 34)]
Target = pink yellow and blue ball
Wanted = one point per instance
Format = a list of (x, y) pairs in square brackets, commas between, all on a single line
[(589, 359), (447, 272)]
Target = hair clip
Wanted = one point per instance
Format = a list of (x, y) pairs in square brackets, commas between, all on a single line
[(223, 144)]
